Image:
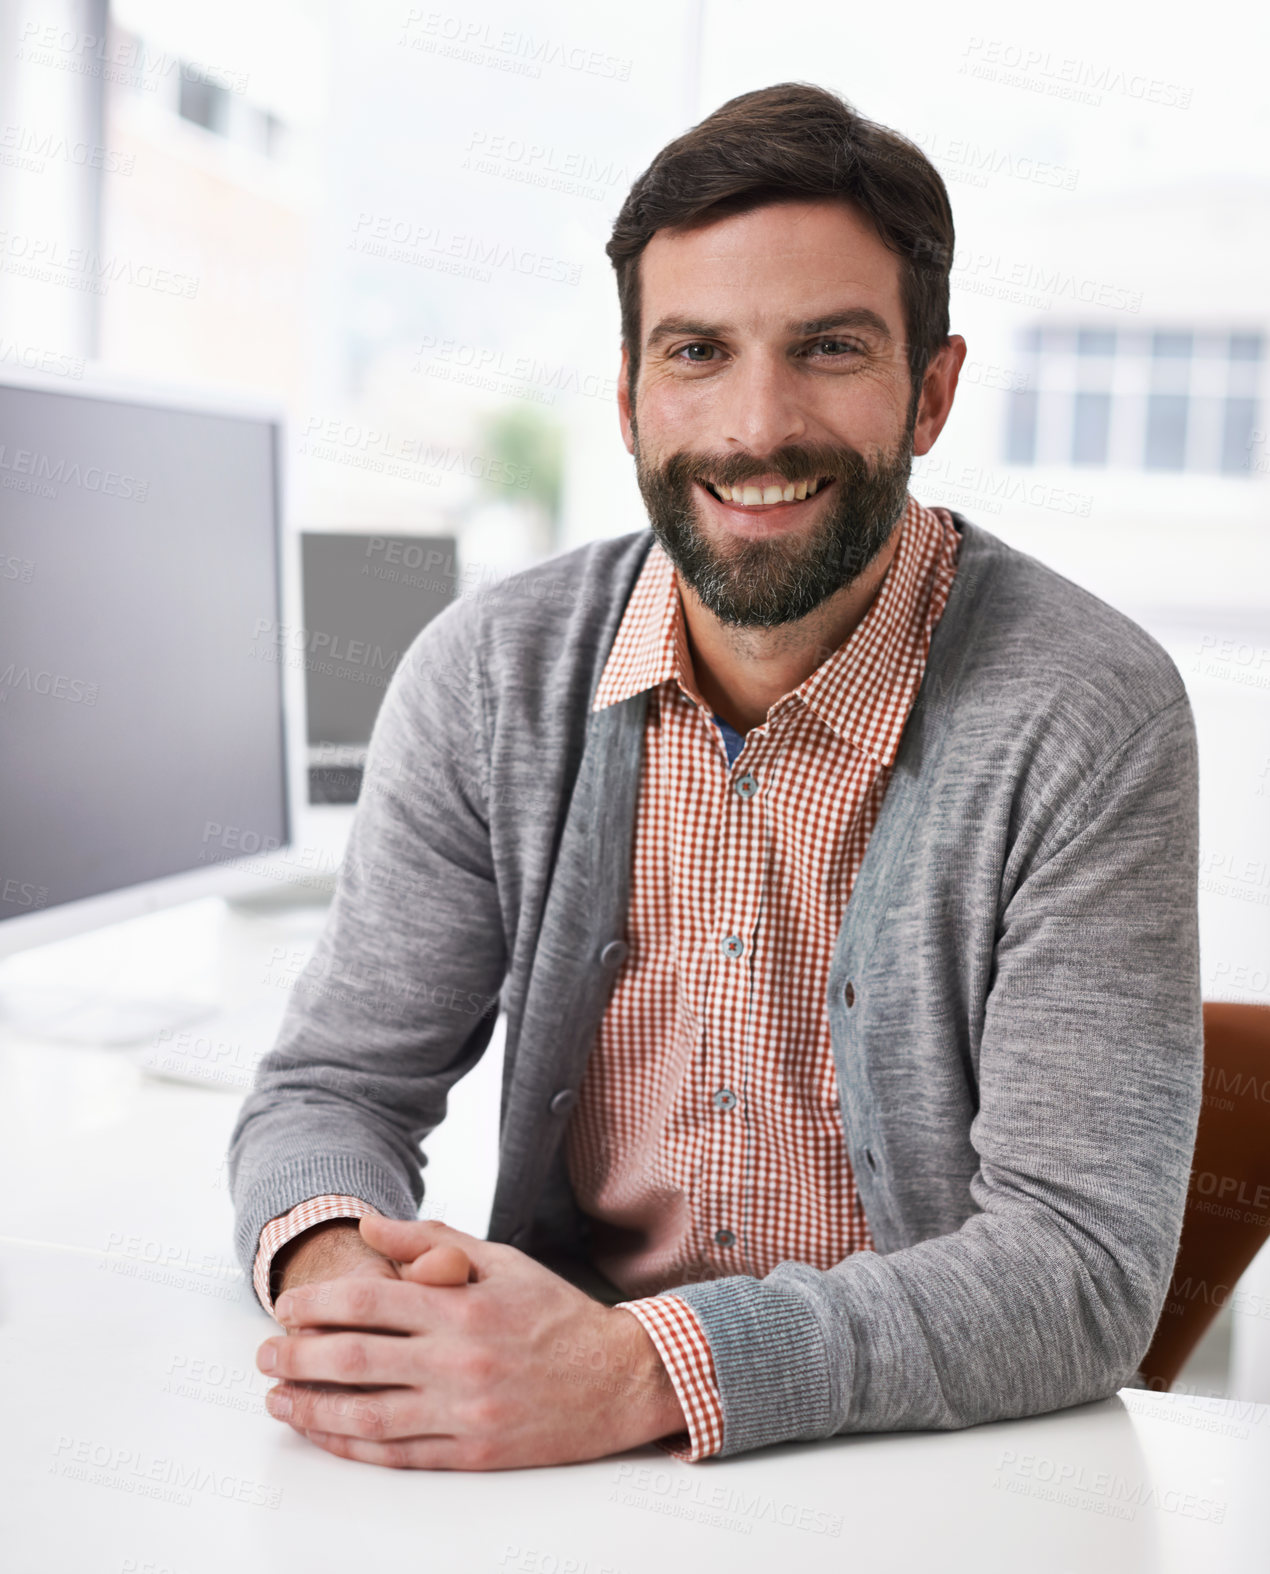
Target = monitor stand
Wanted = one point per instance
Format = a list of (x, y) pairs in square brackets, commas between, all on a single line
[(304, 873)]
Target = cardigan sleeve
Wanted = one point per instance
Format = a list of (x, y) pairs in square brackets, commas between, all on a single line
[(400, 996)]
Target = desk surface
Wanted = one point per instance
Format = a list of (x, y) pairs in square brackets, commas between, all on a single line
[(136, 1437)]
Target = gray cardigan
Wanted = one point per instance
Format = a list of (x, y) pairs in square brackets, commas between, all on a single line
[(1019, 1069)]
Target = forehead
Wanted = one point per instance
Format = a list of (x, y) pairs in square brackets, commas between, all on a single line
[(782, 262)]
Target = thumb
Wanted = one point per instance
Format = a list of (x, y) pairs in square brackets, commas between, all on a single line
[(411, 1240), (439, 1265)]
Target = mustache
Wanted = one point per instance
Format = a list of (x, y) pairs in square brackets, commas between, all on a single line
[(794, 462)]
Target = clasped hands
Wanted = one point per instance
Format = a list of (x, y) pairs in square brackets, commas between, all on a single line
[(455, 1353)]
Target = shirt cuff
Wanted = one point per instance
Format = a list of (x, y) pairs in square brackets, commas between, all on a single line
[(276, 1234), (673, 1327)]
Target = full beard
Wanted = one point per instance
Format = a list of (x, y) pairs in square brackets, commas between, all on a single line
[(765, 583)]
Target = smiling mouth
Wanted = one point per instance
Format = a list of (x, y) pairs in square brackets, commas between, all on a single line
[(750, 496)]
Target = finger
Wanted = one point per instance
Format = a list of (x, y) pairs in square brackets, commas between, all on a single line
[(379, 1414), (410, 1453), (440, 1265), (359, 1358), (389, 1304), (404, 1239)]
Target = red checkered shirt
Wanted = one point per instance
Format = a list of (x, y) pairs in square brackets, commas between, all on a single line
[(707, 1139)]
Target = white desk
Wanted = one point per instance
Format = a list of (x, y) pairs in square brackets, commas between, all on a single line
[(135, 1436)]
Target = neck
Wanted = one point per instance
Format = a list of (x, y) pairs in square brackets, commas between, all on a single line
[(742, 672)]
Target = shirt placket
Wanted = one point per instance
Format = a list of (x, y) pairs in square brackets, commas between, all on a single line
[(725, 1081)]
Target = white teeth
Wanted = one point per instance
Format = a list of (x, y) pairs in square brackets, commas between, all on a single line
[(761, 496)]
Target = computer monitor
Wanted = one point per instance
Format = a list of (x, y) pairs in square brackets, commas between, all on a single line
[(365, 598), (143, 707)]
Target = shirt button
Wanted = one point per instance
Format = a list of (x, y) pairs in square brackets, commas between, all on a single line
[(565, 1099), (733, 946), (850, 993), (614, 952), (747, 785), (725, 1099), (724, 1238)]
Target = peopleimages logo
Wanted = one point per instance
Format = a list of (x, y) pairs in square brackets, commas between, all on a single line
[(24, 148), (506, 48), (68, 472), (53, 685), (1066, 76), (143, 1474), (46, 258)]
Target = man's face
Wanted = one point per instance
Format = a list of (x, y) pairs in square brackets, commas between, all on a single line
[(773, 355)]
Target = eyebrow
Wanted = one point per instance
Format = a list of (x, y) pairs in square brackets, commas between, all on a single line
[(851, 317)]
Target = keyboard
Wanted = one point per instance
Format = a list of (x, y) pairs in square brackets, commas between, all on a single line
[(220, 1052)]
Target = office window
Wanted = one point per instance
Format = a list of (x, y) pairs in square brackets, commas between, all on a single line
[(205, 103), (1172, 346), (1237, 429), (1166, 432), (221, 107), (1090, 427), (1020, 446), (1161, 398), (1095, 341)]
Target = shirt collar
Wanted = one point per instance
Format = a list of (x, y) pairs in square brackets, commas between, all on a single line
[(863, 691)]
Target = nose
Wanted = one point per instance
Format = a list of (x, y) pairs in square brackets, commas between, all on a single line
[(760, 409)]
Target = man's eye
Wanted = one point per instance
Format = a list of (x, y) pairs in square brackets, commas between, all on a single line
[(840, 347), (684, 350)]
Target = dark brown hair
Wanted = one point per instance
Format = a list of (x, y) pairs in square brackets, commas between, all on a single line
[(795, 141)]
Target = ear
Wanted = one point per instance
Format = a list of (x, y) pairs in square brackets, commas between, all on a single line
[(624, 401), (938, 387)]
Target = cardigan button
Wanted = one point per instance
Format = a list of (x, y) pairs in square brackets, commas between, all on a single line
[(850, 993), (614, 952), (562, 1101)]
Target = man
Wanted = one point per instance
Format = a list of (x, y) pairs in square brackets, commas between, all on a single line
[(835, 866)]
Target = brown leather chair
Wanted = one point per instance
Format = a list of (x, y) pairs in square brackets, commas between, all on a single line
[(1227, 1217)]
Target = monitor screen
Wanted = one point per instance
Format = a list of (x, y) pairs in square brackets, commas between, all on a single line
[(365, 599), (141, 717)]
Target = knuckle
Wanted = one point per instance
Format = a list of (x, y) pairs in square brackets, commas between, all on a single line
[(475, 1363), (482, 1415), (375, 1418), (475, 1318), (363, 1295), (349, 1358)]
